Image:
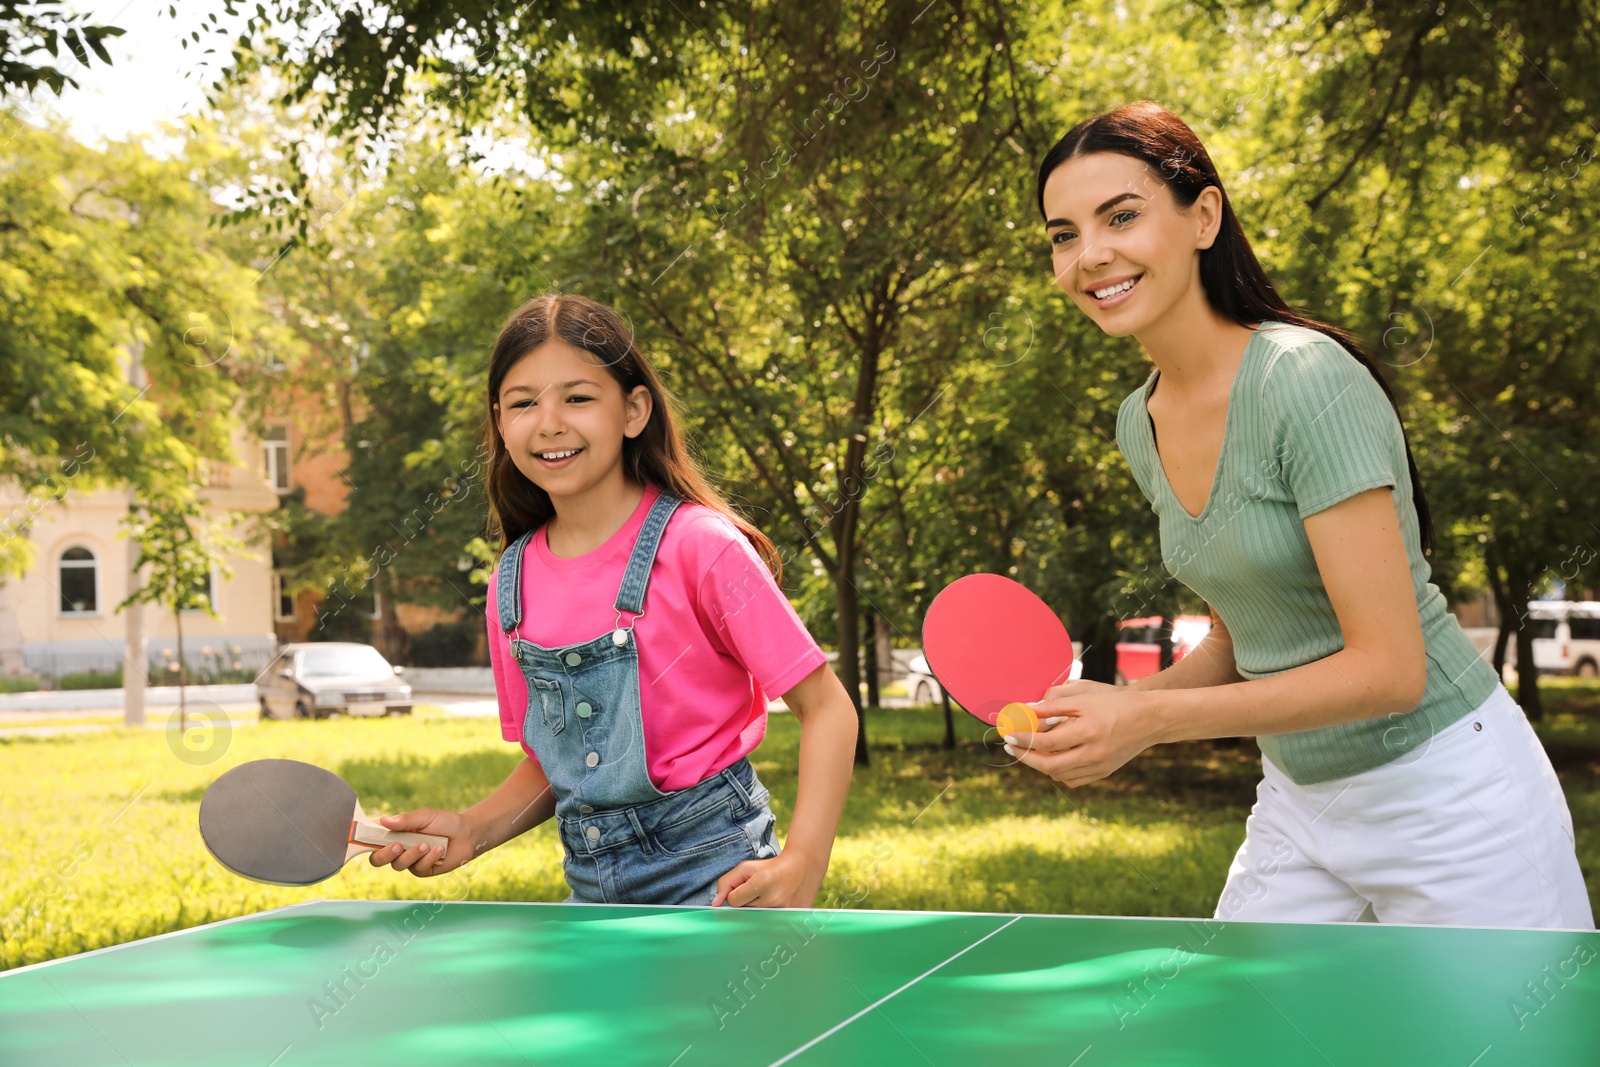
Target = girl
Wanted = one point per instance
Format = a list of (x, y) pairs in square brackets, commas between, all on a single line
[(1401, 783), (635, 633)]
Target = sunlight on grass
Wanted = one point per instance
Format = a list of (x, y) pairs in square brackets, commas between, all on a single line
[(102, 845)]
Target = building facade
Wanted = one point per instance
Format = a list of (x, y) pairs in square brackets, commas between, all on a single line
[(63, 617)]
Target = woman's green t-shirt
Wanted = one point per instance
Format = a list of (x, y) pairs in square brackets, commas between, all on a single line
[(1307, 427)]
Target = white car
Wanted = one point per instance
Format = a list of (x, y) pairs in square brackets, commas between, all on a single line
[(1566, 637), (923, 688), (314, 679)]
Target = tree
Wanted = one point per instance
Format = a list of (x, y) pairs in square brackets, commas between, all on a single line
[(700, 170), (814, 227), (105, 253), (1448, 224), (29, 31), (180, 545)]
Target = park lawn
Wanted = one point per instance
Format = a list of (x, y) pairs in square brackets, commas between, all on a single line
[(102, 845)]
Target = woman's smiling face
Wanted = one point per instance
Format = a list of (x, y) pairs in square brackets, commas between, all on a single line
[(1120, 245), (563, 417)]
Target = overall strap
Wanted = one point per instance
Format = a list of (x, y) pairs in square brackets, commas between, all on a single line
[(630, 597), (508, 591)]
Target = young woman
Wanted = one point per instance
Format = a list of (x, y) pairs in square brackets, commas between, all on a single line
[(635, 630), (1401, 783)]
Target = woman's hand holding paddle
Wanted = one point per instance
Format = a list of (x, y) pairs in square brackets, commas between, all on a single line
[(1087, 731)]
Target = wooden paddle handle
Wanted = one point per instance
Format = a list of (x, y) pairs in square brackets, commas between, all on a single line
[(372, 835)]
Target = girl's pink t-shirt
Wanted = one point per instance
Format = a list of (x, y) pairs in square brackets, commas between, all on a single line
[(717, 635)]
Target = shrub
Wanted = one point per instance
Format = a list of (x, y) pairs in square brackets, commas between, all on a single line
[(18, 683), (91, 680), (447, 644)]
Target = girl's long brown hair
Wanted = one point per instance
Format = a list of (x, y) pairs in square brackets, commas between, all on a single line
[(657, 456), (1235, 283)]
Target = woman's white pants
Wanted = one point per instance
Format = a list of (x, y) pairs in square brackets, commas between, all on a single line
[(1470, 829)]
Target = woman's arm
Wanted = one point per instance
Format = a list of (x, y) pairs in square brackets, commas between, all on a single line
[(1382, 668), (827, 752)]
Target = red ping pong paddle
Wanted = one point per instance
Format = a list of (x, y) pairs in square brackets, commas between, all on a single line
[(992, 644), (285, 822)]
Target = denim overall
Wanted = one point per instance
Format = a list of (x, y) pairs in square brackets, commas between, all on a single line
[(624, 841)]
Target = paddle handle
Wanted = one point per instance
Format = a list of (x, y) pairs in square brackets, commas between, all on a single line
[(371, 835)]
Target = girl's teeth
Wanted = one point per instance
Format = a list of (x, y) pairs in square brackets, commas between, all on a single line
[(1101, 294)]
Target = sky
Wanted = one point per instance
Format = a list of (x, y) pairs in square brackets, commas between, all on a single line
[(151, 78)]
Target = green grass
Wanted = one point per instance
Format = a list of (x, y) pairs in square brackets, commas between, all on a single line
[(102, 845), (1571, 735)]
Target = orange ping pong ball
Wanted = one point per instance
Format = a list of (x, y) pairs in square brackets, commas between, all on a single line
[(1016, 717)]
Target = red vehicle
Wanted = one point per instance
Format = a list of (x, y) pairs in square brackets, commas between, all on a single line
[(1139, 644)]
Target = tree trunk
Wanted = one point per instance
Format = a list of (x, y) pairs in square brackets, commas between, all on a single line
[(1505, 616), (949, 720), (1100, 650), (849, 654), (395, 642), (886, 667), (1527, 671), (183, 707), (869, 656), (135, 652)]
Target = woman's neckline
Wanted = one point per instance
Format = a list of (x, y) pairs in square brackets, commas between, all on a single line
[(1227, 430)]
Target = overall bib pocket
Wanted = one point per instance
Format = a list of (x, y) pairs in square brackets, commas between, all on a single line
[(552, 704)]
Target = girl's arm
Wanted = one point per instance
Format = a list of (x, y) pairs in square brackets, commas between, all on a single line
[(1381, 670), (521, 802), (827, 752)]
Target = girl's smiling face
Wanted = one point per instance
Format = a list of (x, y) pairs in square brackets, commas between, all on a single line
[(1120, 245), (564, 417)]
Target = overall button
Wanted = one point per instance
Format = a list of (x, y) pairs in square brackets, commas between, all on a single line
[(573, 659), (619, 637), (593, 834), (586, 808), (584, 710), (592, 759)]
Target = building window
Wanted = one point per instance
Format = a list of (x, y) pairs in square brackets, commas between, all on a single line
[(284, 598), (79, 582), (275, 458), (206, 587), (366, 603)]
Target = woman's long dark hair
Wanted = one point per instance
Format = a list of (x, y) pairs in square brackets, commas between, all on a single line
[(657, 456), (1235, 285)]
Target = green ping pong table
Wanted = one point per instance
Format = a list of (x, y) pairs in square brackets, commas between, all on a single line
[(354, 982)]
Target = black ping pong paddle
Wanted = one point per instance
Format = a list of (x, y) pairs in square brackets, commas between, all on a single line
[(285, 822)]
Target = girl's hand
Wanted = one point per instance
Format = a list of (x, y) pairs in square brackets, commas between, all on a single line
[(787, 880), (1087, 730), (421, 860)]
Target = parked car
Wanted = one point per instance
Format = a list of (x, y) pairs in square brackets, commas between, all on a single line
[(1566, 637), (923, 688), (312, 680), (1139, 644)]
